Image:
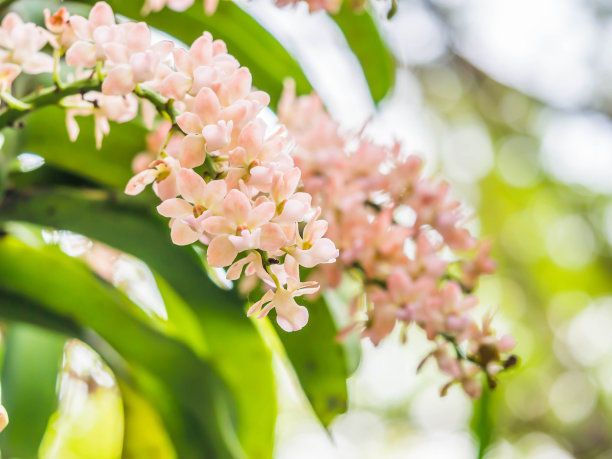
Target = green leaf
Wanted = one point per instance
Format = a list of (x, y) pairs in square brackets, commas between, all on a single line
[(246, 40), (32, 359), (482, 423), (64, 285), (18, 308), (363, 37), (89, 420), (234, 345), (15, 307), (145, 436), (109, 166), (319, 361)]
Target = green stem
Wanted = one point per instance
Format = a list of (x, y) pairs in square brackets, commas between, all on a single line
[(54, 94), (173, 130), (460, 354), (266, 264), (99, 72), (165, 107), (48, 96), (56, 68), (14, 103), (209, 166), (482, 423)]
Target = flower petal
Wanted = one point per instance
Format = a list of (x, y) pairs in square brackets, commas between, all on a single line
[(140, 181), (206, 105), (261, 214), (119, 81), (189, 123), (191, 185), (257, 306), (221, 252), (174, 207), (272, 237), (236, 207), (218, 225), (182, 234), (193, 151), (214, 193)]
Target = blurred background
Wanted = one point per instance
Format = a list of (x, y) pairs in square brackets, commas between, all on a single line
[(510, 101)]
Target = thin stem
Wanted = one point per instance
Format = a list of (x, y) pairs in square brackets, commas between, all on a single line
[(266, 264), (165, 107), (54, 94), (171, 132), (99, 72), (56, 68), (48, 96), (14, 103), (210, 167), (460, 354)]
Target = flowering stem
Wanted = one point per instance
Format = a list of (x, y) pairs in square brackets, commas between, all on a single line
[(209, 167), (266, 264), (165, 107), (54, 94), (56, 68), (98, 70), (14, 103), (173, 130), (48, 96)]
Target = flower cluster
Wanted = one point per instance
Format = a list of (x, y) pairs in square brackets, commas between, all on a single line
[(224, 180), (404, 236), (262, 198), (20, 50)]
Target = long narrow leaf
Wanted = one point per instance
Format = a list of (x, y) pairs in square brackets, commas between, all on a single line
[(109, 166), (322, 373), (364, 39), (319, 361), (33, 357), (62, 284), (234, 345)]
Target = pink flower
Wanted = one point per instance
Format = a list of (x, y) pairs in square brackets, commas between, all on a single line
[(21, 44), (313, 249), (8, 73), (205, 122), (103, 108), (390, 223), (62, 32), (243, 226), (289, 315), (92, 34), (163, 172), (158, 5)]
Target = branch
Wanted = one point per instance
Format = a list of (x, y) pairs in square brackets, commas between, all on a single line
[(46, 97), (52, 95)]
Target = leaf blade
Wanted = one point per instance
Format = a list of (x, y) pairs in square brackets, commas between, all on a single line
[(234, 345), (364, 39), (48, 277)]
